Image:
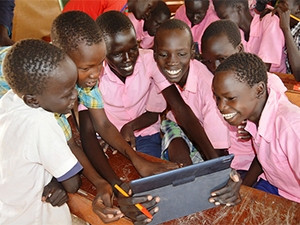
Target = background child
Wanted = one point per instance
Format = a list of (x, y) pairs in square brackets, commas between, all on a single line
[(43, 79), (220, 40), (197, 14), (173, 53), (291, 30), (258, 34), (240, 87), (146, 29)]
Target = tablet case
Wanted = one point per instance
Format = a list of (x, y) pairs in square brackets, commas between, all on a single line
[(185, 190)]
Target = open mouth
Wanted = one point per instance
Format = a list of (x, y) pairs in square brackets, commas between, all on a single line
[(91, 83), (173, 72), (128, 68), (229, 116)]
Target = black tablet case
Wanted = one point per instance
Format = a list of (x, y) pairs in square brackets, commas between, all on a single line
[(185, 190)]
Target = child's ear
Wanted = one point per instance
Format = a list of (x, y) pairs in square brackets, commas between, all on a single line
[(240, 47), (261, 89), (31, 101)]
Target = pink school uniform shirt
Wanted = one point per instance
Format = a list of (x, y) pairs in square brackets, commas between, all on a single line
[(123, 102), (243, 151), (267, 41), (197, 30), (198, 95), (144, 39), (277, 144)]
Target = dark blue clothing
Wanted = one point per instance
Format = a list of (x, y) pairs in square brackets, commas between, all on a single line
[(7, 14), (150, 144), (264, 185)]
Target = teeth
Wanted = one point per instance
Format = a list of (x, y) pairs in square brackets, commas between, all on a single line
[(229, 115), (128, 68), (173, 72)]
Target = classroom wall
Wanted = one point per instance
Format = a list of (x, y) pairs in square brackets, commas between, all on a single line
[(33, 18)]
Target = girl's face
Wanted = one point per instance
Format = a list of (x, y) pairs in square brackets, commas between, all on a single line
[(196, 10), (216, 49), (173, 52), (89, 62), (122, 53), (60, 94), (236, 101)]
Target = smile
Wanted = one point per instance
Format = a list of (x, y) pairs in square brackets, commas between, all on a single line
[(173, 72), (229, 115), (128, 68)]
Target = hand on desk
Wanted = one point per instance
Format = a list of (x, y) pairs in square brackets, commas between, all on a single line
[(230, 194), (103, 204)]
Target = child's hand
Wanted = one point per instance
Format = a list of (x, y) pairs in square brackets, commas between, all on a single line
[(128, 134), (229, 194), (242, 133), (54, 193), (127, 206), (103, 204)]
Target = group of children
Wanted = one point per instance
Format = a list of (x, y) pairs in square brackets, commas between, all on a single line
[(225, 103)]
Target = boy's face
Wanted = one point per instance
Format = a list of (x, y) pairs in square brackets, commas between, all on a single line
[(236, 101), (173, 52), (89, 62), (60, 94), (153, 22), (216, 49), (122, 53), (196, 10), (141, 8)]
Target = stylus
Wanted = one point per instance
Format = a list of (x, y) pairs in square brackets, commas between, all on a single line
[(139, 206)]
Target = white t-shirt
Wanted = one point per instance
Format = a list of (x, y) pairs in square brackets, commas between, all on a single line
[(32, 149)]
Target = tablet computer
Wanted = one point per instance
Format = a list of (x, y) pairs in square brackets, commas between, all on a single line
[(185, 190)]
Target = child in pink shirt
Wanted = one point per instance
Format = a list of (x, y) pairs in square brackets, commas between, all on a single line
[(220, 40), (240, 87), (262, 37), (173, 54), (146, 29), (197, 15)]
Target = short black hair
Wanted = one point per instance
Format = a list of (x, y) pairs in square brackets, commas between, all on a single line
[(173, 24), (29, 64), (113, 22), (161, 8), (248, 68), (72, 28), (227, 27), (230, 3)]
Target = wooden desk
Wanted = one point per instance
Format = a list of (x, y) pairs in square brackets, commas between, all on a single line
[(257, 207), (289, 81)]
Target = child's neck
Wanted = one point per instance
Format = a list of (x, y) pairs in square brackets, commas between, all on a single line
[(245, 25)]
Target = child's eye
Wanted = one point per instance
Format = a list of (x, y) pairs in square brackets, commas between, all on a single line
[(231, 98), (163, 55), (117, 54), (182, 54), (84, 69)]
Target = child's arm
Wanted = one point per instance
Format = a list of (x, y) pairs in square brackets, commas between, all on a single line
[(143, 121), (112, 136), (292, 50), (187, 119), (102, 203), (254, 171)]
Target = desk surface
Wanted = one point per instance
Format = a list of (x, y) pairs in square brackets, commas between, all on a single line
[(257, 207)]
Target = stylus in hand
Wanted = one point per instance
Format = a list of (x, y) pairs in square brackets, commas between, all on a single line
[(139, 206)]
